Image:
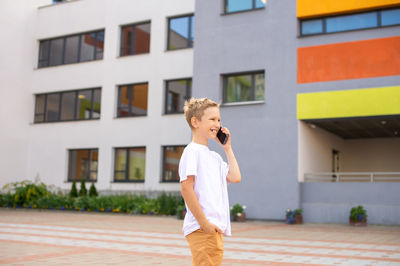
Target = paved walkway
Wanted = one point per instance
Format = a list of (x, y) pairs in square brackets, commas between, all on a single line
[(31, 237)]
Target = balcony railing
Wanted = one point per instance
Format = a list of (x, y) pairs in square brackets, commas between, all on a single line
[(352, 177)]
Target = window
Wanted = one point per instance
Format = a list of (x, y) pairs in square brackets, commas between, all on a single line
[(135, 39), (232, 6), (177, 92), (243, 87), (171, 157), (180, 32), (130, 164), (71, 49), (68, 106), (132, 100), (83, 163), (366, 20)]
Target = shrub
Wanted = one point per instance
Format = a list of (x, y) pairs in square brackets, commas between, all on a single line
[(83, 190), (358, 213), (26, 193), (74, 192), (236, 209), (166, 204), (93, 191)]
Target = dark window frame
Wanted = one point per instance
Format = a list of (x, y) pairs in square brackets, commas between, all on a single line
[(133, 25), (127, 165), (253, 8), (187, 97), (64, 38), (163, 164), (130, 85), (324, 19), (252, 73), (45, 119), (190, 43), (87, 178)]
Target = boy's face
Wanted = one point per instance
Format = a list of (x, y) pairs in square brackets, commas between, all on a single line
[(209, 124)]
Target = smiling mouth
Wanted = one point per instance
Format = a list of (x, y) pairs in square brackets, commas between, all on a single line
[(214, 131)]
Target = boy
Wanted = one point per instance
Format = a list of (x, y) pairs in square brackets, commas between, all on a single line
[(204, 176)]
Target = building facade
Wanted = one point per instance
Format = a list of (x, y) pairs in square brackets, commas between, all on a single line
[(309, 90)]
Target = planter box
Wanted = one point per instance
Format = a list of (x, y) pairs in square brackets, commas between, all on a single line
[(240, 218), (298, 219), (362, 222)]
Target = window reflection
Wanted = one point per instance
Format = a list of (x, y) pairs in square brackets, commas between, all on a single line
[(180, 33), (71, 49), (351, 22), (172, 155), (56, 52), (311, 27), (83, 164), (238, 5), (39, 108), (130, 164), (52, 106), (67, 106), (244, 87), (178, 91), (84, 105), (132, 100), (135, 39), (391, 17)]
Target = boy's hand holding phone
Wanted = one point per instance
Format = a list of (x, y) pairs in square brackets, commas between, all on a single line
[(223, 137)]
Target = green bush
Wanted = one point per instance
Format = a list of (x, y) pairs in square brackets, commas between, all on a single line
[(26, 193), (358, 213), (93, 191), (83, 190), (74, 192), (31, 195)]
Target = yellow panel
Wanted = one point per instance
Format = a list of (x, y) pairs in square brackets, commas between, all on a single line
[(314, 8), (349, 103)]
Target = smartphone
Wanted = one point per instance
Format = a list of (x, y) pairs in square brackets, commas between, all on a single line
[(223, 138)]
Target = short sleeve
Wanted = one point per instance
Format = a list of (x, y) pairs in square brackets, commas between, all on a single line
[(188, 164), (224, 167)]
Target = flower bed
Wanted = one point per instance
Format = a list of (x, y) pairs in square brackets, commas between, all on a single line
[(27, 194)]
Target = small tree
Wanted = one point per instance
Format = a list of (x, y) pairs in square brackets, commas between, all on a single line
[(74, 192), (93, 191), (83, 190)]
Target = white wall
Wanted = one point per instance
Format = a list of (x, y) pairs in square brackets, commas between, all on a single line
[(48, 143), (356, 155), (17, 27)]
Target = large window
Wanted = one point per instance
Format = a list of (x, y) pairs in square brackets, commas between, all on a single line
[(243, 87), (180, 32), (232, 6), (366, 20), (177, 92), (171, 157), (83, 163), (135, 39), (130, 164), (68, 106), (132, 100), (71, 49)]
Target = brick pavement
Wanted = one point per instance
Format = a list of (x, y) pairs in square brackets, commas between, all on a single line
[(31, 237)]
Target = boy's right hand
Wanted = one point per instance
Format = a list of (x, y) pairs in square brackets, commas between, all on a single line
[(210, 228)]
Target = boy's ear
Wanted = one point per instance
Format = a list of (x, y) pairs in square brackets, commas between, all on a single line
[(194, 122)]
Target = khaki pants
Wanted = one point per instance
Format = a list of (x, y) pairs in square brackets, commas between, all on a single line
[(207, 249)]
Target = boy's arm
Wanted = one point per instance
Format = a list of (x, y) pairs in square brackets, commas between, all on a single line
[(191, 200), (234, 175)]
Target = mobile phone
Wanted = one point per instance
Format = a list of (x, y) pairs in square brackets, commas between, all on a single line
[(222, 137)]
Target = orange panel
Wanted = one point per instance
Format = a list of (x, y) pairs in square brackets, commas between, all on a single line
[(351, 60)]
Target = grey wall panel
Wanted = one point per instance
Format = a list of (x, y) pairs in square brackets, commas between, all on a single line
[(331, 202), (264, 135)]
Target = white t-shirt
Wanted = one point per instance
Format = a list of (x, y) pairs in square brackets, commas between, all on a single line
[(210, 186)]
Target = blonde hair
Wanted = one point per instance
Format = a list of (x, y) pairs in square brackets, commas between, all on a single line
[(195, 108)]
